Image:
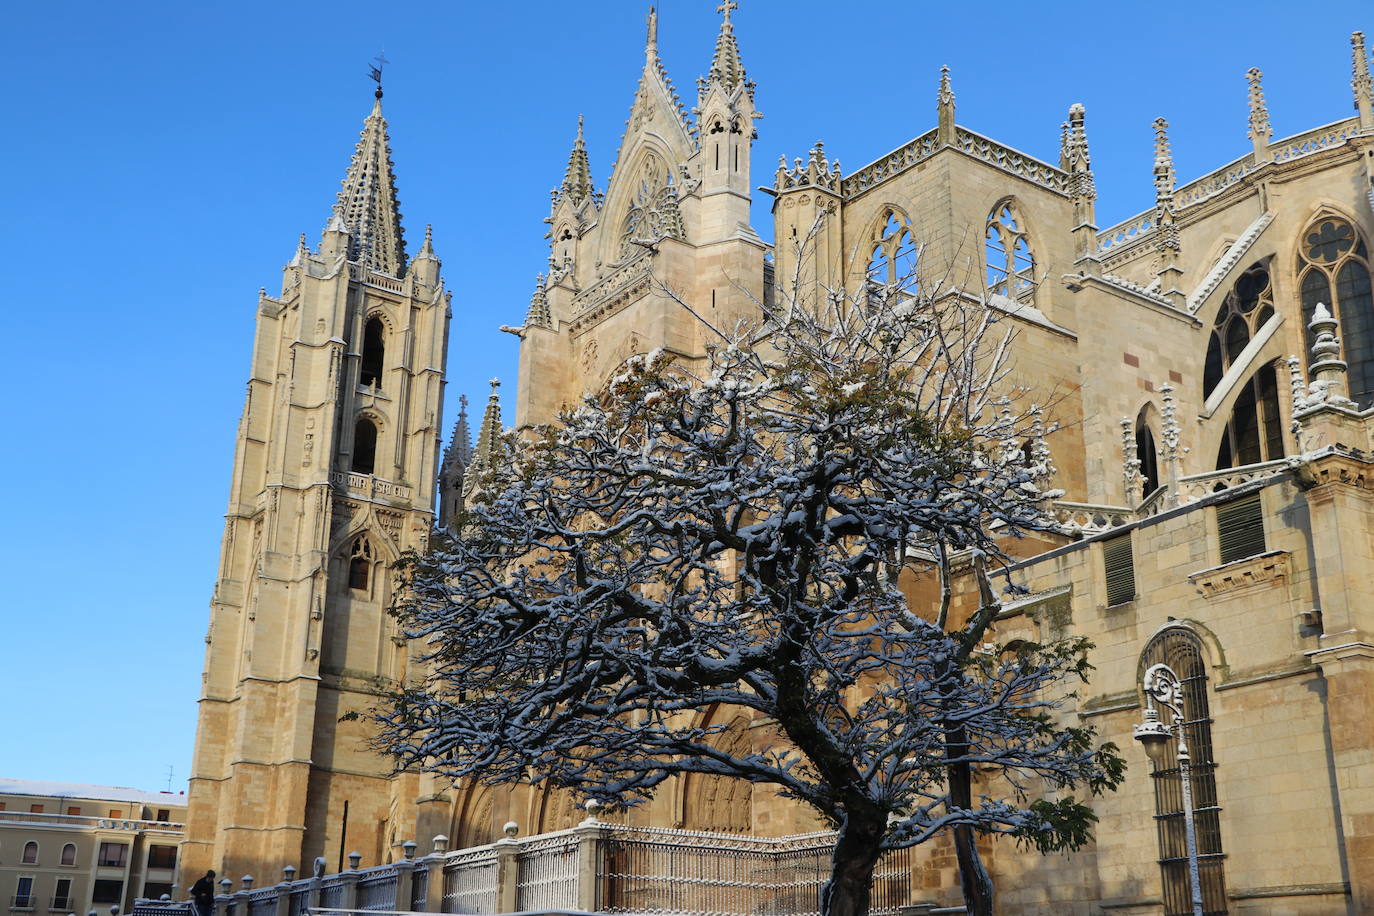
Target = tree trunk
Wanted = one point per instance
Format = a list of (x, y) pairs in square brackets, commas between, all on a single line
[(850, 886), (974, 878)]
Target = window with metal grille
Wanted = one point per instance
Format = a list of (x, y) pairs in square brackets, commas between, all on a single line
[(1119, 562), (1240, 529), (1182, 651)]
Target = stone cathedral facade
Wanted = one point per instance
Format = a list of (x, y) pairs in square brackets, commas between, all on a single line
[(1210, 363)]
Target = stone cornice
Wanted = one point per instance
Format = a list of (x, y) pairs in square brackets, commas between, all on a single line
[(1240, 575)]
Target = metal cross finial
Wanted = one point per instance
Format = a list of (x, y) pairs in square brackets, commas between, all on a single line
[(726, 7)]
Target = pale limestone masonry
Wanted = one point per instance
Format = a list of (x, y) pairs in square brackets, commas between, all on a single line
[(1162, 425)]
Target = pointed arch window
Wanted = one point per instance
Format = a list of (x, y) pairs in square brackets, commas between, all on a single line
[(1010, 261), (1182, 651), (374, 353), (893, 254), (364, 446), (1254, 431), (1333, 267), (653, 213), (360, 564), (1147, 455), (1245, 310)]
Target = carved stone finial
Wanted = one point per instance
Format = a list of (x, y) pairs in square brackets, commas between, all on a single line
[(726, 7), (1130, 462), (1171, 434), (539, 313), (651, 29), (1164, 159), (945, 106), (1260, 131), (1360, 80)]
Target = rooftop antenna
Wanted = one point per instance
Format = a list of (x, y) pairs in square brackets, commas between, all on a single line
[(374, 71), (169, 777)]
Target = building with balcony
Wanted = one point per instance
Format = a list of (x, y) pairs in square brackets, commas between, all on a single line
[(69, 848)]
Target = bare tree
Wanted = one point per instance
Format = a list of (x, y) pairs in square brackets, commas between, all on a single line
[(735, 538)]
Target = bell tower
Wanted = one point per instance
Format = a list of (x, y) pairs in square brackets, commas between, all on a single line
[(334, 475)]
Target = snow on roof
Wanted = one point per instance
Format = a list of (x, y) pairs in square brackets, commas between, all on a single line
[(81, 790)]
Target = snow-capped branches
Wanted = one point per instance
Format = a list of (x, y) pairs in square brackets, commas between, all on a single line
[(681, 543)]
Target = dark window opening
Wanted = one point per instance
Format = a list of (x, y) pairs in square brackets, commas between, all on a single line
[(30, 856), (364, 446), (153, 890), (162, 857), (107, 891), (164, 815), (69, 854), (1148, 457), (1182, 651), (360, 564), (62, 895), (23, 894), (374, 350)]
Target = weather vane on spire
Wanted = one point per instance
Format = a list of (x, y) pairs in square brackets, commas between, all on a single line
[(726, 7), (374, 71)]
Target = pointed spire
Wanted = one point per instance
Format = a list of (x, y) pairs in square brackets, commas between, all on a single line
[(1259, 132), (651, 39), (539, 314), (1360, 81), (1166, 235), (302, 251), (577, 179), (367, 206), (458, 454), (726, 68), (427, 247), (945, 105)]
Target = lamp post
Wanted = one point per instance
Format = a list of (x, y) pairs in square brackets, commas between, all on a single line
[(1162, 686)]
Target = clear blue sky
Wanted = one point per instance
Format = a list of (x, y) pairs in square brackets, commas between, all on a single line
[(161, 160)]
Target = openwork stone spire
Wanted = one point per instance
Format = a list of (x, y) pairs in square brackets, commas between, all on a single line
[(458, 454), (726, 68), (1166, 224), (539, 314), (1075, 160), (577, 180), (1360, 81), (1165, 177), (1260, 131), (491, 425), (367, 206)]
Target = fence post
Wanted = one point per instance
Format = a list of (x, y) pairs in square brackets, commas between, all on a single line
[(404, 873), (434, 902), (349, 879), (508, 870), (224, 899), (284, 891), (589, 834), (241, 907)]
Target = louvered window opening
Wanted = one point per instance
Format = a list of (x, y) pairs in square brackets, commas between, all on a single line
[(1119, 562), (1182, 651), (1240, 529)]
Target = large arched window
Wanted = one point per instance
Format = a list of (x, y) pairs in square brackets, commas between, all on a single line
[(374, 352), (364, 446), (653, 212), (1182, 651), (1333, 267), (1010, 262), (30, 856), (69, 854), (893, 254), (1147, 455), (1247, 307), (1254, 431)]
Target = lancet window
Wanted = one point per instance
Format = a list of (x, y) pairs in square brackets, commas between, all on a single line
[(1182, 651), (1333, 269), (364, 446), (1010, 262), (1246, 308), (374, 352), (1254, 431), (1147, 455), (893, 255), (360, 564), (653, 212)]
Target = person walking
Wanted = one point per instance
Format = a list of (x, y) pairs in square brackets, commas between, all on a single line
[(203, 894)]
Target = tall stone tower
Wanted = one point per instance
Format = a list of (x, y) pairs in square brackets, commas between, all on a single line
[(334, 477)]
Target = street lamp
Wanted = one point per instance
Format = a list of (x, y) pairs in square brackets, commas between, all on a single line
[(1163, 686)]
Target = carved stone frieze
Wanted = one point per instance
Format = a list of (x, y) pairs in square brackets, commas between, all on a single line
[(1261, 569)]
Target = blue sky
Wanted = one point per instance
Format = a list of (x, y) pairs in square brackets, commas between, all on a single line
[(162, 159)]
